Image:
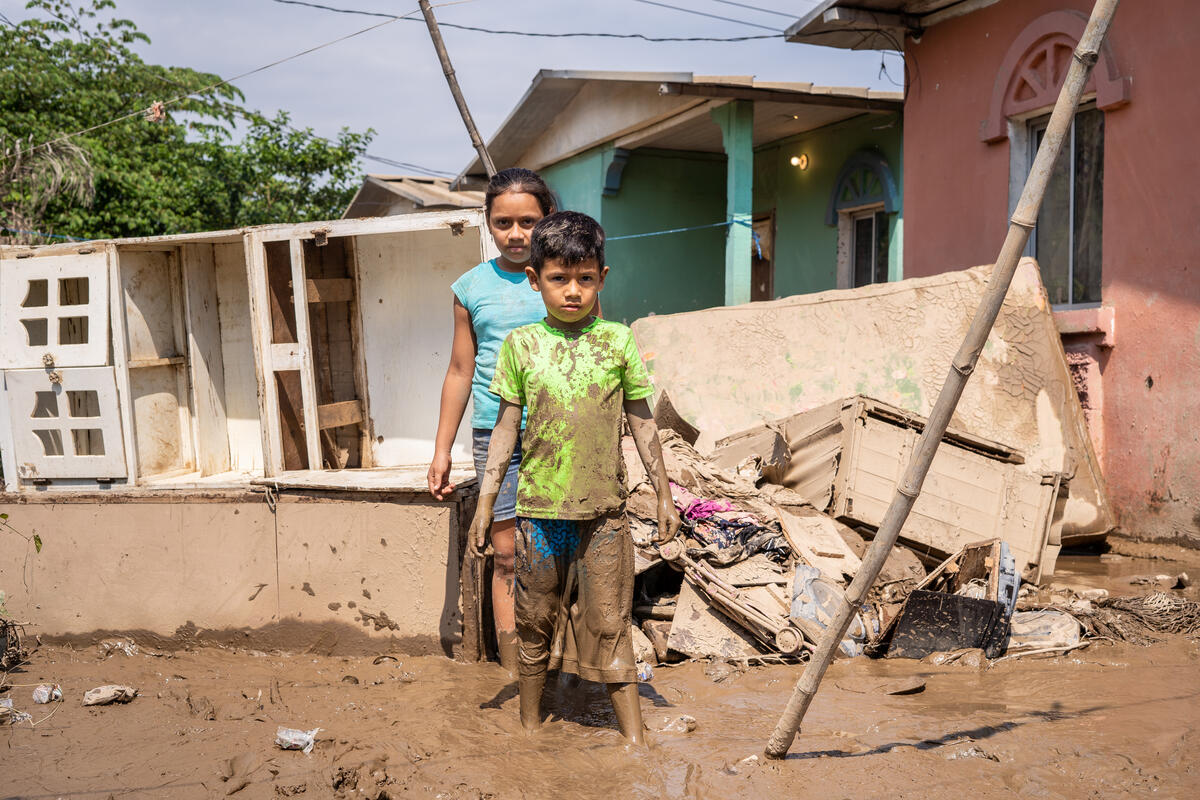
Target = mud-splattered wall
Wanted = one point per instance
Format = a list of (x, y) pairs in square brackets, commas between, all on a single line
[(338, 575), (1144, 370)]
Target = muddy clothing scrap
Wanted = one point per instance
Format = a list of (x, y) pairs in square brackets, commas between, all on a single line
[(574, 386), (574, 597)]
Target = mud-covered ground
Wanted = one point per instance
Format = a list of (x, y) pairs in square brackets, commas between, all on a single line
[(1107, 721)]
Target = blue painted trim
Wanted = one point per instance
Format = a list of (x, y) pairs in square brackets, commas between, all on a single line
[(874, 162)]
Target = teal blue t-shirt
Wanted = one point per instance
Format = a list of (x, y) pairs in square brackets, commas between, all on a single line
[(498, 302)]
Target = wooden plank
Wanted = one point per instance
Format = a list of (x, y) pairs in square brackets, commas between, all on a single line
[(183, 379), (294, 452), (120, 348), (243, 417), (200, 300), (426, 220), (330, 290), (815, 538), (260, 329), (381, 479), (286, 357), (146, 363), (308, 387), (366, 445), (335, 415)]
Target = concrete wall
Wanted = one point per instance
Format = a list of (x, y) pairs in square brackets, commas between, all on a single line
[(956, 204), (805, 247), (341, 575)]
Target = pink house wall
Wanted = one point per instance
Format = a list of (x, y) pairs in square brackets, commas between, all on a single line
[(1146, 414)]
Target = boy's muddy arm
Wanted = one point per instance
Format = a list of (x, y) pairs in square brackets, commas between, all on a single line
[(500, 450), (645, 436)]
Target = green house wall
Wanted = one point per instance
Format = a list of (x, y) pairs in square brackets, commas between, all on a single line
[(667, 189), (805, 247)]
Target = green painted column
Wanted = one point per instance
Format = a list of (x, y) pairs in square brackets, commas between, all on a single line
[(736, 121)]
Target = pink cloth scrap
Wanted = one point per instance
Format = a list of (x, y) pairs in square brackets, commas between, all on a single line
[(697, 508)]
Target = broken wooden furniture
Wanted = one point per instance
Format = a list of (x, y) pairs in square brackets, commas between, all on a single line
[(847, 457), (767, 360), (149, 387), (967, 602), (758, 618)]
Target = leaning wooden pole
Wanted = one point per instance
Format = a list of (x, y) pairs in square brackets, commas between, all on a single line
[(448, 70), (1022, 222)]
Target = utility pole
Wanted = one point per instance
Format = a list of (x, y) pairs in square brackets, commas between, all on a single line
[(448, 70), (1023, 221)]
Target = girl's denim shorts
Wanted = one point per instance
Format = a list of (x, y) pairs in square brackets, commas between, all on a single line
[(506, 501)]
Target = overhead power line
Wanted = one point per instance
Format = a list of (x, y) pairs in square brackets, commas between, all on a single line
[(710, 16), (538, 35), (757, 8)]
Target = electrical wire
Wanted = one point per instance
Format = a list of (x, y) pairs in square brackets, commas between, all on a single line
[(710, 16), (537, 35), (756, 8)]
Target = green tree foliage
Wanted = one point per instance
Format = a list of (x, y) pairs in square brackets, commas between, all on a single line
[(206, 163)]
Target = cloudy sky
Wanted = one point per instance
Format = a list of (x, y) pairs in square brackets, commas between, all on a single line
[(389, 78)]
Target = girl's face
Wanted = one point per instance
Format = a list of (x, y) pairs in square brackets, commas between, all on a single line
[(512, 219)]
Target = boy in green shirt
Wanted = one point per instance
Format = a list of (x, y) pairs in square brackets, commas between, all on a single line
[(576, 373)]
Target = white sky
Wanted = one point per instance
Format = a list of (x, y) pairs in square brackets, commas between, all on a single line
[(389, 79)]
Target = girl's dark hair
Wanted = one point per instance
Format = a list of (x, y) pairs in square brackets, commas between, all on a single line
[(524, 181)]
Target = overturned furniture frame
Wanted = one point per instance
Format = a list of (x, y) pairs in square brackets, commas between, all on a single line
[(730, 600)]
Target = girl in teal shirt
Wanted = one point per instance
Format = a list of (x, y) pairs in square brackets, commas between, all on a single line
[(490, 300)]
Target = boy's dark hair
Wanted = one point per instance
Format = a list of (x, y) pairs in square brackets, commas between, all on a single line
[(521, 180), (568, 236)]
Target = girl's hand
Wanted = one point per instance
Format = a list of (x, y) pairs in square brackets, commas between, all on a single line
[(668, 520), (477, 534), (439, 476)]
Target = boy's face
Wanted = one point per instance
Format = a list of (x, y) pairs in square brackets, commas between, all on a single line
[(569, 292)]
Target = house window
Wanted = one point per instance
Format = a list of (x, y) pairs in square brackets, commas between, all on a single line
[(1067, 239), (869, 248), (864, 196)]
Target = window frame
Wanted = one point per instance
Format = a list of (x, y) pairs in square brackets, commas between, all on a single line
[(1023, 141)]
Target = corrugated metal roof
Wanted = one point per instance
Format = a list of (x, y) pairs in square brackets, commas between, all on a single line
[(380, 192)]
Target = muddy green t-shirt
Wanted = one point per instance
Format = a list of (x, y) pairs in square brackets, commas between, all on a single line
[(573, 387)]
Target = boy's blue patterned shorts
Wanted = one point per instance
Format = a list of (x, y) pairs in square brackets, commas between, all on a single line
[(574, 597)]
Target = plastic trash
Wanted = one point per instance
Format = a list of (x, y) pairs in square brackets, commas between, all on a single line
[(1008, 583), (109, 647), (47, 693), (815, 602), (1036, 630), (10, 715), (293, 739), (684, 723), (645, 672), (105, 695)]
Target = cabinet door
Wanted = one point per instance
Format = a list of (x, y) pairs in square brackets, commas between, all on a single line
[(65, 423), (54, 306)]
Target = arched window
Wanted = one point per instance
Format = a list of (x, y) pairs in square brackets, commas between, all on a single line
[(864, 195), (1067, 240)]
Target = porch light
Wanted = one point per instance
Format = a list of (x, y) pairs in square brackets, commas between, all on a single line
[(800, 161)]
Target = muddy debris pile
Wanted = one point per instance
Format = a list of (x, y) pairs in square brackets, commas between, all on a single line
[(777, 518)]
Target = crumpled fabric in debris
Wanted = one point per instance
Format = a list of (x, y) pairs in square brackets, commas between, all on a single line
[(725, 534)]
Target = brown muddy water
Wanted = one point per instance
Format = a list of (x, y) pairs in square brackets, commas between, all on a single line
[(1107, 721)]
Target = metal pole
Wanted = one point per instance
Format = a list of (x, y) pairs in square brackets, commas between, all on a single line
[(1022, 222), (448, 71)]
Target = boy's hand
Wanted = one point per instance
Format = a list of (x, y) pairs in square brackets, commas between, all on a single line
[(668, 520), (478, 534)]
